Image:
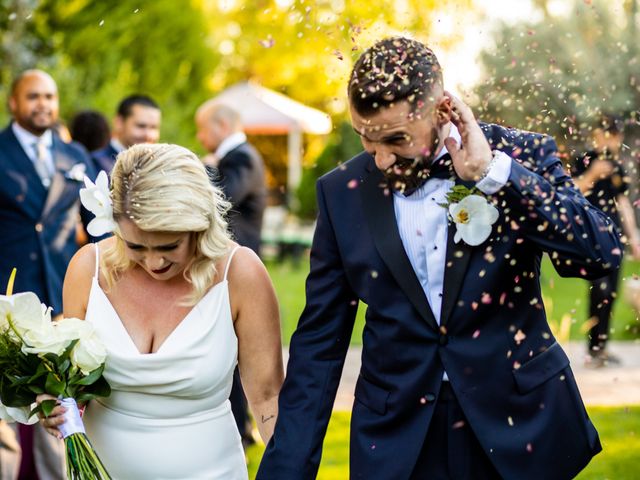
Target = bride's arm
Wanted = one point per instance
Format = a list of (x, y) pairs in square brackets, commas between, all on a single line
[(257, 325), (75, 295), (77, 282)]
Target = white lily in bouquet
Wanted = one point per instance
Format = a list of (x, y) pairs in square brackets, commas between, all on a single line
[(64, 359)]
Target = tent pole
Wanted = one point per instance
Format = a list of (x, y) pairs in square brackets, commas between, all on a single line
[(294, 166)]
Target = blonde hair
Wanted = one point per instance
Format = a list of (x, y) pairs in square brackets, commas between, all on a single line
[(165, 188)]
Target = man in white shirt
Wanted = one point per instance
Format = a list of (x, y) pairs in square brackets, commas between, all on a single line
[(439, 227), (39, 209), (237, 168), (137, 120)]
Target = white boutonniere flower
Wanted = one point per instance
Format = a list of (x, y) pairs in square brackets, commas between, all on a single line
[(96, 198), (472, 215), (77, 172)]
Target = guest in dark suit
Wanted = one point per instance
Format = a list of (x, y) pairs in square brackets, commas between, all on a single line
[(39, 208), (137, 121), (238, 169), (461, 376)]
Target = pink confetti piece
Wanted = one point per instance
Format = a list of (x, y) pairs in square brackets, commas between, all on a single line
[(268, 42)]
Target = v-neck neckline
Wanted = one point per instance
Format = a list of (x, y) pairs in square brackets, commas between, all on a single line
[(171, 334)]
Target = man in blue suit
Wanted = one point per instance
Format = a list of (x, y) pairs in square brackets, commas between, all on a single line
[(461, 376), (137, 121), (39, 209)]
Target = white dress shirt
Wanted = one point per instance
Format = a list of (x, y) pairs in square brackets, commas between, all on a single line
[(423, 224), (229, 143), (117, 145), (28, 141)]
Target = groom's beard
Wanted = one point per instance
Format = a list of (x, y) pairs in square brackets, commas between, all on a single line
[(408, 174)]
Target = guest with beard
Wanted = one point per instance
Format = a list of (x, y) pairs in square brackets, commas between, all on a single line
[(39, 209)]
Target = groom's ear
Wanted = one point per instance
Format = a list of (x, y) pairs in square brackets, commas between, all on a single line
[(443, 110)]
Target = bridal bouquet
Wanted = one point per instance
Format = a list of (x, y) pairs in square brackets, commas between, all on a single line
[(64, 359)]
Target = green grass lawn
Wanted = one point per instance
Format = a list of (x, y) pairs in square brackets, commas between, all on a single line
[(565, 301), (619, 432)]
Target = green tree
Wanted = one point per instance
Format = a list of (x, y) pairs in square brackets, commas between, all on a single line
[(343, 145), (305, 48), (557, 75), (21, 46), (101, 51)]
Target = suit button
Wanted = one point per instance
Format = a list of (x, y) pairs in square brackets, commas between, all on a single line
[(38, 227), (444, 339)]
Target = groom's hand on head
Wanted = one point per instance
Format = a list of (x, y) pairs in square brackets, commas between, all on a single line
[(472, 159)]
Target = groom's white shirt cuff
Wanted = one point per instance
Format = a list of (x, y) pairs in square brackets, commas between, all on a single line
[(498, 174)]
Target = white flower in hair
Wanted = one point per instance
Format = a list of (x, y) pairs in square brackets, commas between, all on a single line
[(96, 198)]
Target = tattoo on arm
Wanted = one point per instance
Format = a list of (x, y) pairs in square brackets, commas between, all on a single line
[(266, 419)]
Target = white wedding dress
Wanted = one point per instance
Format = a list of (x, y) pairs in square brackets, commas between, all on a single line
[(168, 416)]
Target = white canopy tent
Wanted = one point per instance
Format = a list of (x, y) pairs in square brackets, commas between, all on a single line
[(265, 112)]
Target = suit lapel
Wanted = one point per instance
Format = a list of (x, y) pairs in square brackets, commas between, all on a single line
[(58, 182), (455, 268), (17, 168), (21, 161), (380, 215)]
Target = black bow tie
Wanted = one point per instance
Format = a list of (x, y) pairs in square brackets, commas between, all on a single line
[(440, 168)]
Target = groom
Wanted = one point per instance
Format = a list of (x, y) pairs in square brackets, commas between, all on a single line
[(461, 376)]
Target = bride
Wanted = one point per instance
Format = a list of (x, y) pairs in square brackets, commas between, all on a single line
[(178, 304)]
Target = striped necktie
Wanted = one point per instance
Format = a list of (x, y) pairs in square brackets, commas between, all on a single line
[(41, 163)]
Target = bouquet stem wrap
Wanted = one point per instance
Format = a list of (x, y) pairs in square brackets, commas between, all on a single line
[(83, 462)]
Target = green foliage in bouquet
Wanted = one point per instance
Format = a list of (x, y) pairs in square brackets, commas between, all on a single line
[(64, 359), (26, 375)]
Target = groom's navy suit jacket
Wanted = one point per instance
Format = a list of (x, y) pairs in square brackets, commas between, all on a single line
[(511, 377), (38, 225)]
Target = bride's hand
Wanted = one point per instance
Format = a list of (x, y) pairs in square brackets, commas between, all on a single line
[(55, 419)]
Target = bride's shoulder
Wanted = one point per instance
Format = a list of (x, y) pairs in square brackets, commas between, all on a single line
[(84, 262), (246, 270)]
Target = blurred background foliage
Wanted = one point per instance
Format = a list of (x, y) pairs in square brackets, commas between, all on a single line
[(553, 72), (182, 53), (559, 73)]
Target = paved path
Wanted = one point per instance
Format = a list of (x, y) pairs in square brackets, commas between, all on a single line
[(619, 385)]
